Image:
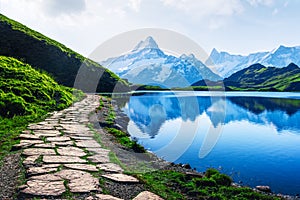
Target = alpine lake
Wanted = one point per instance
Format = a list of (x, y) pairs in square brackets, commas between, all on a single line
[(254, 137)]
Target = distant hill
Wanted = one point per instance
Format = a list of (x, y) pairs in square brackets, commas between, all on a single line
[(226, 64), (26, 91), (41, 52), (261, 78), (147, 64)]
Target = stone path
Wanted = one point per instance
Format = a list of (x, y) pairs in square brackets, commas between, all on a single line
[(61, 155)]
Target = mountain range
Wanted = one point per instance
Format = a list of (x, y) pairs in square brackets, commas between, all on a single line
[(147, 64), (226, 64), (260, 78)]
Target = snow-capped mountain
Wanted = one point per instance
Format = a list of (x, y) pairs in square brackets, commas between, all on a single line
[(226, 64), (147, 64)]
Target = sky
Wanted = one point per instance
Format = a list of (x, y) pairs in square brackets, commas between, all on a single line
[(235, 26)]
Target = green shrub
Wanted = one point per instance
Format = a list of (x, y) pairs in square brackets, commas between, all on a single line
[(209, 172)]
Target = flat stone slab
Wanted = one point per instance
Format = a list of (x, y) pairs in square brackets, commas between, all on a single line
[(71, 151), (81, 138), (88, 143), (73, 128), (99, 158), (84, 167), (84, 134), (80, 181), (146, 195), (44, 188), (66, 143), (45, 145), (63, 159), (68, 122), (70, 174), (41, 127), (31, 142), (84, 184), (29, 136), (38, 151), (51, 133), (47, 177), (121, 178), (30, 160), (58, 139), (110, 167), (42, 170)]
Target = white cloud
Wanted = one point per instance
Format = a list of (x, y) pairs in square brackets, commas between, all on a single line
[(261, 2), (59, 7), (206, 8), (135, 5)]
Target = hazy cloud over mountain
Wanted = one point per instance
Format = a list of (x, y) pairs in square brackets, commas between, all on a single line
[(58, 7)]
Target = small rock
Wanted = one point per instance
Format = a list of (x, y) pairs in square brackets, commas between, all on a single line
[(146, 195), (263, 188)]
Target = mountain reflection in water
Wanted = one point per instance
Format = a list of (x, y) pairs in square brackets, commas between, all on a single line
[(253, 137)]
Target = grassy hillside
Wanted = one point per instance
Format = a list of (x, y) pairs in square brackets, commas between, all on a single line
[(41, 52), (259, 77), (26, 95)]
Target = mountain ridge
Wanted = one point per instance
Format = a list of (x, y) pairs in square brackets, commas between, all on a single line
[(225, 64), (257, 77), (148, 64)]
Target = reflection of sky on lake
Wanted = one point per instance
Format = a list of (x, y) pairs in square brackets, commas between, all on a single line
[(254, 139)]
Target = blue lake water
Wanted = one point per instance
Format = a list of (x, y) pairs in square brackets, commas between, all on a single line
[(252, 136)]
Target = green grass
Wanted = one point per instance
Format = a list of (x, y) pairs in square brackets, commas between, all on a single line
[(26, 96), (41, 52), (110, 118), (176, 185), (20, 27), (125, 140)]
